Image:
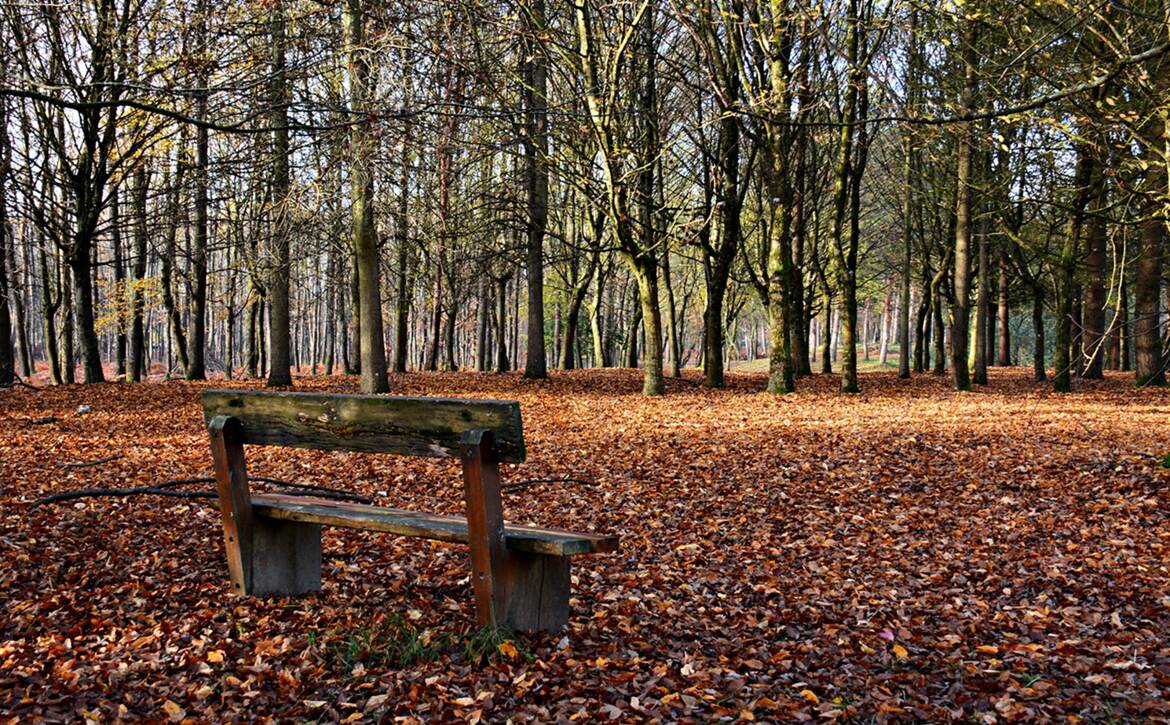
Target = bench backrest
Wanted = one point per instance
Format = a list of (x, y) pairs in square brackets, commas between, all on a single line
[(370, 423)]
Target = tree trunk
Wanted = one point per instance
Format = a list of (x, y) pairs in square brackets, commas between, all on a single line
[(196, 367), (938, 331), (672, 343), (536, 182), (22, 285), (1039, 373), (1093, 308), (1125, 345), (646, 273), (1148, 364), (1005, 340), (365, 243), (501, 318), (960, 310), (279, 374), (600, 358), (632, 336), (908, 198), (1062, 359), (827, 337), (7, 359), (49, 306), (139, 358), (402, 292), (983, 317), (884, 342), (175, 319)]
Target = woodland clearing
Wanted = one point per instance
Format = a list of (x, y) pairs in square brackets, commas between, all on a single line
[(909, 553)]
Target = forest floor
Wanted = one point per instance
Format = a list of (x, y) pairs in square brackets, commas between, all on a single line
[(907, 554)]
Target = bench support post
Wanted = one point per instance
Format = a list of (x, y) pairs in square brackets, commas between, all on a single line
[(264, 556), (235, 502), (515, 590)]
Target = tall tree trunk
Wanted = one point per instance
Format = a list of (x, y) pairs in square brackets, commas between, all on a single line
[(653, 382), (22, 285), (501, 321), (365, 242), (983, 318), (402, 291), (279, 373), (1148, 364), (600, 358), (908, 197), (827, 336), (1093, 309), (449, 363), (1125, 343), (119, 295), (729, 240), (68, 350), (1005, 340), (1039, 373), (938, 329), (884, 340), (7, 358), (196, 367), (631, 349), (482, 325), (1063, 361), (175, 319), (921, 333), (49, 306), (960, 309), (536, 183), (672, 348), (81, 267)]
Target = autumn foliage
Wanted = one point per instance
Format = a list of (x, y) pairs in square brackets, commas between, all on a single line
[(910, 554)]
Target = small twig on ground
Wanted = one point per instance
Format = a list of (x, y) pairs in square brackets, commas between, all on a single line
[(164, 489), (87, 464), (517, 485)]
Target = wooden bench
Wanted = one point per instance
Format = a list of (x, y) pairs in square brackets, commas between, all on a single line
[(519, 574)]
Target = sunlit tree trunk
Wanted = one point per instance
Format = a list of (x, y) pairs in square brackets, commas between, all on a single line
[(960, 308), (365, 243)]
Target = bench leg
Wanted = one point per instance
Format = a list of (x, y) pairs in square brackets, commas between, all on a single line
[(286, 557), (536, 592)]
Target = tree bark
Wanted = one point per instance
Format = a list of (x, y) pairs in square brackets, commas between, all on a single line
[(365, 242), (536, 183), (196, 367), (908, 197), (1039, 373), (279, 373), (960, 308), (1149, 368)]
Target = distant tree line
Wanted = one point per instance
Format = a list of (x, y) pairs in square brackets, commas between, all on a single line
[(252, 189)]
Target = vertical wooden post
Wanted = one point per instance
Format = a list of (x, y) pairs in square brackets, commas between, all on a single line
[(235, 502), (485, 524), (515, 590)]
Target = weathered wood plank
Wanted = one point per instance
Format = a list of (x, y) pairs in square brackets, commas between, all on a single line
[(286, 557), (555, 542), (235, 506), (375, 424), (536, 588), (485, 526)]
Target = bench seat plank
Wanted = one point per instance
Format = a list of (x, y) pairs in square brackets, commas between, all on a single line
[(308, 509)]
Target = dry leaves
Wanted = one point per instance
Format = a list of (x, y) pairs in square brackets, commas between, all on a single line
[(907, 554)]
